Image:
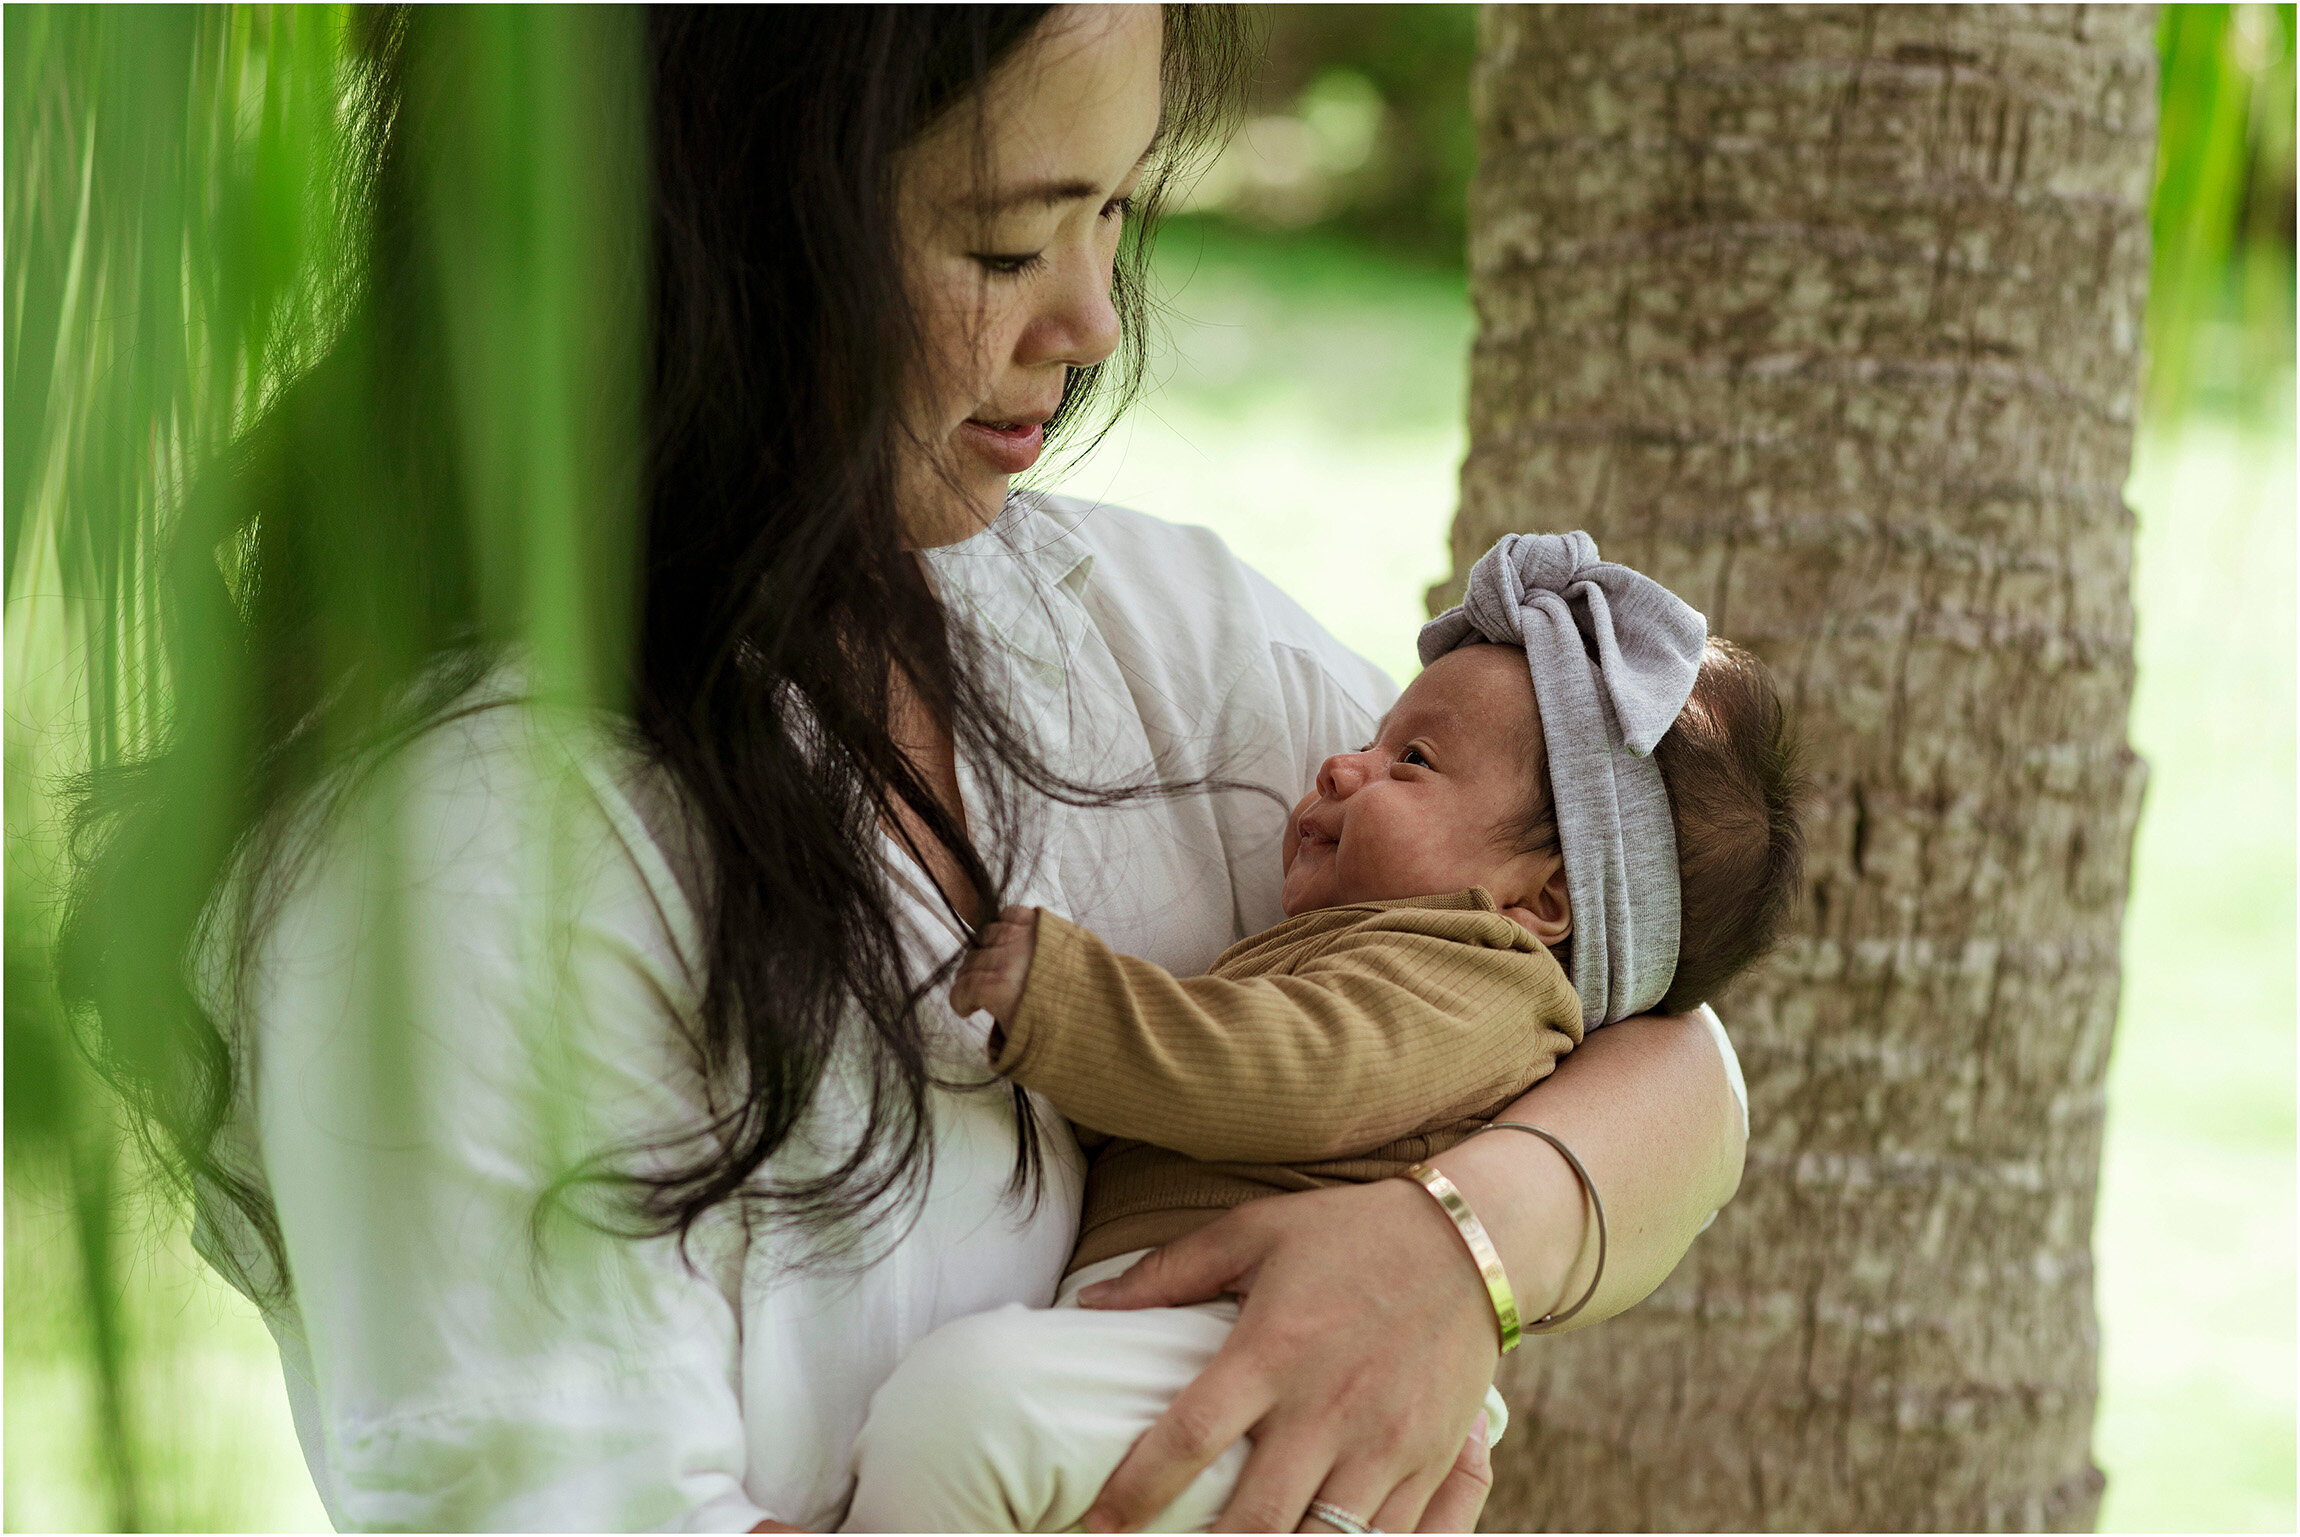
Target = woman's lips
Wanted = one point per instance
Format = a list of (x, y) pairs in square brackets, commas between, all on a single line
[(1010, 450)]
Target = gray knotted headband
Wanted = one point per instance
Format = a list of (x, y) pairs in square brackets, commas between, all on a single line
[(1614, 655)]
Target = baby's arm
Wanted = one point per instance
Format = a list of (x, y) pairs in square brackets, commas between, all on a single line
[(1387, 1034)]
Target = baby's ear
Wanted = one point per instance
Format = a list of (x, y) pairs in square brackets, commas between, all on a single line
[(1548, 913)]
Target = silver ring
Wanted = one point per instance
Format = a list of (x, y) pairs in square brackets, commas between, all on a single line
[(1341, 1520)]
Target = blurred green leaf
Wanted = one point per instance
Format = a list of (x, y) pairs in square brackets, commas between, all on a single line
[(2202, 156), (188, 214)]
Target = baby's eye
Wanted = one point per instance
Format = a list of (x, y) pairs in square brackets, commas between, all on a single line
[(1413, 755)]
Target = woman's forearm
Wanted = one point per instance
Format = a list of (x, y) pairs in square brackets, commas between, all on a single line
[(1647, 1105)]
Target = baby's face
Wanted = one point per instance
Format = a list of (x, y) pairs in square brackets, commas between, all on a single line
[(1426, 808)]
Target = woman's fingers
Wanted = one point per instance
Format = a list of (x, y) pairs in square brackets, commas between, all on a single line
[(1363, 1347), (1205, 1418), (1281, 1478), (1197, 1427), (1197, 1267), (1460, 1497), (1395, 1509), (1386, 1492)]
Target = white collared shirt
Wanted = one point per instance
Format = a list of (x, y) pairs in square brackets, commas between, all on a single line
[(445, 1373)]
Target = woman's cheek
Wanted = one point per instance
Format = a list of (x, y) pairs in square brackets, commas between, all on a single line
[(958, 314)]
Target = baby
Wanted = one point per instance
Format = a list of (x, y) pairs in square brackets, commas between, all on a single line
[(1579, 780)]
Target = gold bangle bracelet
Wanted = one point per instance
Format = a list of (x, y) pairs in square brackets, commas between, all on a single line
[(1481, 1248)]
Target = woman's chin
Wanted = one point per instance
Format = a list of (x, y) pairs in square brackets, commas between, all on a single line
[(958, 514)]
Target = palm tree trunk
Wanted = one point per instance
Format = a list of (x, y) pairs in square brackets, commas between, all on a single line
[(1829, 317)]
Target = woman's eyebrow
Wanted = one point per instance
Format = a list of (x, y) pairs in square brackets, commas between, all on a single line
[(1057, 191), (1049, 193)]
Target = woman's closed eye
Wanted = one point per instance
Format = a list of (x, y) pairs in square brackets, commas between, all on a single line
[(1014, 264), (1004, 264)]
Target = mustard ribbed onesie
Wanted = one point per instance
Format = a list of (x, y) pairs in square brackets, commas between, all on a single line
[(1339, 1047)]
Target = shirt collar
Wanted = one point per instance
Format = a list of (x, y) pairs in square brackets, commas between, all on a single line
[(1021, 582)]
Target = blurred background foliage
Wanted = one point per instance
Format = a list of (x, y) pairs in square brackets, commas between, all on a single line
[(1360, 127), (164, 206), (182, 230)]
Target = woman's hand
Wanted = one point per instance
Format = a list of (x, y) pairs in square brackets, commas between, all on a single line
[(1364, 1346), (1366, 1339), (1461, 1498)]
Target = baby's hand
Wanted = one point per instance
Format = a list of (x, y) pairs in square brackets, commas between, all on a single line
[(993, 972)]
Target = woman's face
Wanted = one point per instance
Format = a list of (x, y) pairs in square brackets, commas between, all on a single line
[(1010, 212)]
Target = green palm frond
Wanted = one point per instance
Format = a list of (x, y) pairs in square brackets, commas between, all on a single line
[(2224, 154)]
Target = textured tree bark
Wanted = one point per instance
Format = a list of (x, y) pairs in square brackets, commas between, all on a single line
[(1829, 317)]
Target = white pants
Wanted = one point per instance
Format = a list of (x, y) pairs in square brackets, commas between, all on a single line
[(1010, 1420)]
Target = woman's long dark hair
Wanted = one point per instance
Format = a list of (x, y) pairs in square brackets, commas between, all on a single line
[(775, 597)]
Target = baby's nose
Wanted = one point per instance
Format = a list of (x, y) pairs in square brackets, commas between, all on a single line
[(1340, 775)]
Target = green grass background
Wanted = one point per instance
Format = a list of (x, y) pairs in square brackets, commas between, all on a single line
[(1310, 408)]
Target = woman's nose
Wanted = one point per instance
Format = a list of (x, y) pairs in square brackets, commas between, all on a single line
[(1079, 325), (1340, 775)]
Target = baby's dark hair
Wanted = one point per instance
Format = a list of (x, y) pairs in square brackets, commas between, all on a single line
[(1736, 787)]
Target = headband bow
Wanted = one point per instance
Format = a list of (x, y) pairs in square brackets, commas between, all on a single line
[(1614, 655)]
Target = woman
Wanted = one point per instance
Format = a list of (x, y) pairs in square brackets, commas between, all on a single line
[(676, 973)]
